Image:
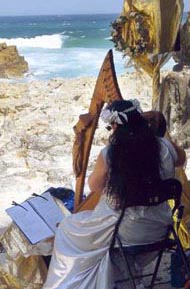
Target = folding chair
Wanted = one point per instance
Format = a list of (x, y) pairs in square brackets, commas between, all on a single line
[(152, 196)]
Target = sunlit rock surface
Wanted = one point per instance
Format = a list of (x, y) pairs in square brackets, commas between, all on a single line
[(12, 65)]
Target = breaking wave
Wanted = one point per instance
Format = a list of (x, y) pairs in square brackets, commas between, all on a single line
[(54, 41)]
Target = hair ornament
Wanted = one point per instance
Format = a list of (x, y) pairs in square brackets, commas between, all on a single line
[(136, 104), (120, 117)]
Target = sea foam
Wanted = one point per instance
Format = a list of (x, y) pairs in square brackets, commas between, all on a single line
[(54, 41)]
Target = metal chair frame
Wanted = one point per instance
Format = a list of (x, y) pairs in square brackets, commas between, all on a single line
[(166, 244)]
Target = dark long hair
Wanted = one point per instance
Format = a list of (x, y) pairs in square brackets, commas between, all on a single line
[(133, 156)]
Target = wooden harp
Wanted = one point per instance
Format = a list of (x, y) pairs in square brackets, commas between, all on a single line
[(106, 90)]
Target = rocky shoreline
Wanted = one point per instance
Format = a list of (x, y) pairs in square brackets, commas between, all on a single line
[(36, 135), (36, 132)]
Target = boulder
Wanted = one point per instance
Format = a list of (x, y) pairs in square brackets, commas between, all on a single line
[(11, 63), (3, 46), (175, 104), (183, 56)]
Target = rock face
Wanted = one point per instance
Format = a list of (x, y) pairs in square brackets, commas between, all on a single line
[(11, 63), (175, 104), (185, 42), (183, 56)]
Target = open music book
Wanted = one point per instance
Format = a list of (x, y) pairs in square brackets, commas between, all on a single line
[(37, 217)]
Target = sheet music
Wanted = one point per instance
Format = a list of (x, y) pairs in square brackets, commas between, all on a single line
[(47, 209), (30, 223)]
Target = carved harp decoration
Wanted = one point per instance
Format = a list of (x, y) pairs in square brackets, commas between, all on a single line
[(106, 90)]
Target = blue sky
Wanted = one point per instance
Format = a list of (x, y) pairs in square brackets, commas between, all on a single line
[(36, 7)]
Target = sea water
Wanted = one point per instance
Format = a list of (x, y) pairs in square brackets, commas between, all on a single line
[(62, 46)]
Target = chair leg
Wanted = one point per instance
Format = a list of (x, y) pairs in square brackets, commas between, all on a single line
[(182, 254), (125, 259), (159, 258)]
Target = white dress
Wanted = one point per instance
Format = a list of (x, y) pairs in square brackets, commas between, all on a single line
[(81, 258)]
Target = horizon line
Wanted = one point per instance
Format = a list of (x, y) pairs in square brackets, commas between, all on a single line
[(57, 14), (67, 14)]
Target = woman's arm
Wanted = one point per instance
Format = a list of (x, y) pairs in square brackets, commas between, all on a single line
[(97, 180), (181, 155)]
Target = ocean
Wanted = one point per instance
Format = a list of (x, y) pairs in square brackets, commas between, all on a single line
[(62, 46)]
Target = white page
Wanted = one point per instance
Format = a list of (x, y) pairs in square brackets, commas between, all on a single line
[(47, 209), (30, 223)]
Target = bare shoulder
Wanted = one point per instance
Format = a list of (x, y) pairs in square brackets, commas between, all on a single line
[(97, 179)]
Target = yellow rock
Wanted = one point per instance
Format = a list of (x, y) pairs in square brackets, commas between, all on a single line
[(11, 63)]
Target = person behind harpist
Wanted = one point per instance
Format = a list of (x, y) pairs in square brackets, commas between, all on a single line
[(133, 155)]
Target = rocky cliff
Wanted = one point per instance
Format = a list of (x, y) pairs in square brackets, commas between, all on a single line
[(175, 104), (11, 63)]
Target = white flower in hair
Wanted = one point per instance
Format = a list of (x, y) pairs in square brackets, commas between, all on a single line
[(106, 115), (116, 116), (110, 116), (136, 104)]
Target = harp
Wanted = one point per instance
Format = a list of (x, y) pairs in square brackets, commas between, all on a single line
[(106, 90)]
